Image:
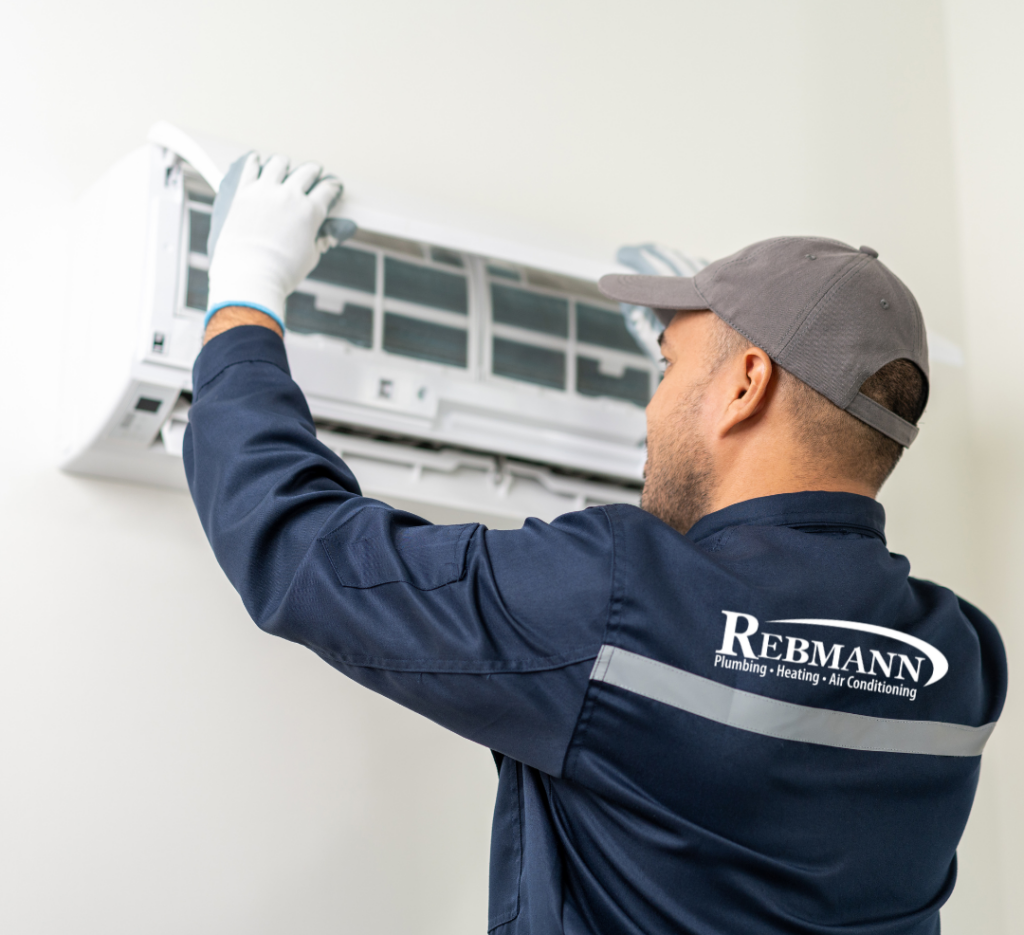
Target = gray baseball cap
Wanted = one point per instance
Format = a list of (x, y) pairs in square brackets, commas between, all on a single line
[(829, 314)]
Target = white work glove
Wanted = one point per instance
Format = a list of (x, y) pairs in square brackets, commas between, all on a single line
[(271, 237), (653, 259)]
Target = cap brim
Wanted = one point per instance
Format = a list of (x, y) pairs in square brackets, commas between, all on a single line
[(665, 294)]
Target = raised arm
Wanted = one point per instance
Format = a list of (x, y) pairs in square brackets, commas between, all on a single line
[(491, 634)]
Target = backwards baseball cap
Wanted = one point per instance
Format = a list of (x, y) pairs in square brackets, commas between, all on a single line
[(829, 314)]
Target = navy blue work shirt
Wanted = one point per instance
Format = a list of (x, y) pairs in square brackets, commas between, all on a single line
[(763, 726)]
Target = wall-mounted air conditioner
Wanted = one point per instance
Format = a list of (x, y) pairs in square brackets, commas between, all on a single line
[(447, 367)]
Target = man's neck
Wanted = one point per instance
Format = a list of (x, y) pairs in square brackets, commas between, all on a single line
[(770, 474)]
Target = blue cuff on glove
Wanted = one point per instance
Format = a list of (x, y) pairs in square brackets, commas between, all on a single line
[(259, 308)]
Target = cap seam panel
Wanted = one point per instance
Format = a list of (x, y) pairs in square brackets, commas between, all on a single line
[(712, 269), (819, 308), (919, 322), (852, 266), (715, 268), (724, 321)]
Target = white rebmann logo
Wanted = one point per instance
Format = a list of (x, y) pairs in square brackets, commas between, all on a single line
[(787, 656)]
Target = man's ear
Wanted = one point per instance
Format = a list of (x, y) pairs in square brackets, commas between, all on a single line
[(747, 378)]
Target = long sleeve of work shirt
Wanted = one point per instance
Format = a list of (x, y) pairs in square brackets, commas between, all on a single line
[(490, 633)]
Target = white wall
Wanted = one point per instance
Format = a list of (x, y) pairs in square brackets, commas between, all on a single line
[(166, 766), (987, 78)]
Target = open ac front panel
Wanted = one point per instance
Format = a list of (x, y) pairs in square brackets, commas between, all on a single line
[(487, 378)]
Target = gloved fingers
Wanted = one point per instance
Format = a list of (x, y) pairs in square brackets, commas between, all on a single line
[(325, 242), (275, 170), (304, 177), (325, 193), (331, 177), (677, 262), (250, 171), (653, 259), (338, 229)]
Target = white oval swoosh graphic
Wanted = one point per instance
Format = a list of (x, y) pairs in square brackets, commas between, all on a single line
[(939, 664)]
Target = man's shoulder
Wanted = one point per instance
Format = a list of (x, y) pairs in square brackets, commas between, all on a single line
[(972, 628)]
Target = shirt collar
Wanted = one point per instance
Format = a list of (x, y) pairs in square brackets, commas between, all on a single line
[(815, 508)]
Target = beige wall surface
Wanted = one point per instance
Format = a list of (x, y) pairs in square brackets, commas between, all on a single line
[(169, 768), (987, 81)]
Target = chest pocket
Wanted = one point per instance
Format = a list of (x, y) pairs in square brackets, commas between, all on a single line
[(424, 556)]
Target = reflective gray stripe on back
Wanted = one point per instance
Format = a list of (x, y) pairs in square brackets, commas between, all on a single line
[(782, 719)]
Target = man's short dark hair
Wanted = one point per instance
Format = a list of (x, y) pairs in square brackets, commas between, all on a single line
[(829, 433), (855, 447)]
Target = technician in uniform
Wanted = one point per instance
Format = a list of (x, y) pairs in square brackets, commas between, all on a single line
[(731, 710)]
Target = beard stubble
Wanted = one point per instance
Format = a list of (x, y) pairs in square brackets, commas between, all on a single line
[(679, 478)]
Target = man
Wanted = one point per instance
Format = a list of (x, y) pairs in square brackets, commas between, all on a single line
[(728, 711)]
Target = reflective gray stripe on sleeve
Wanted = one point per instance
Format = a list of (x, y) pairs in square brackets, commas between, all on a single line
[(782, 719)]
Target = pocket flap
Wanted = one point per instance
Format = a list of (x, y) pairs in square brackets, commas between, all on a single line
[(422, 555)]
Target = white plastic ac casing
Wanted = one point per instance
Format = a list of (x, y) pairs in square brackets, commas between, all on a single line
[(415, 431)]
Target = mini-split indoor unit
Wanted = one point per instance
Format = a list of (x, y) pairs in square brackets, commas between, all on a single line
[(451, 370)]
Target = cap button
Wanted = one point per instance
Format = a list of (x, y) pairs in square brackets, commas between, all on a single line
[(870, 251)]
